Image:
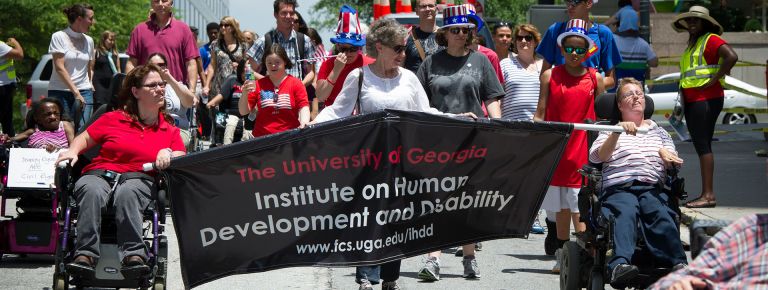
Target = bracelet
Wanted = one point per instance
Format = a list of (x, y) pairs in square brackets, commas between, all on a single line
[(330, 82)]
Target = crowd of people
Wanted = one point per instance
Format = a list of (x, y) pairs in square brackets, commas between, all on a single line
[(283, 79)]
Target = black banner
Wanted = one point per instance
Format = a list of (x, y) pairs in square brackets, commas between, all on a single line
[(360, 190)]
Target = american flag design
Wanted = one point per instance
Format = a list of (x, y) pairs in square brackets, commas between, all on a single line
[(458, 14), (348, 26), (270, 99)]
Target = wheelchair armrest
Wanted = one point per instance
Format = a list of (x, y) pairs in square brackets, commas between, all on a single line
[(675, 185)]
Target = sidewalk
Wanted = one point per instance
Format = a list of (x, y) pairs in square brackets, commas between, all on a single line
[(718, 213)]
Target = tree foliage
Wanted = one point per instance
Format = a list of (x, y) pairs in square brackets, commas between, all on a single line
[(512, 11)]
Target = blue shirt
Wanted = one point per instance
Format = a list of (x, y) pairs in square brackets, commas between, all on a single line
[(628, 19), (205, 54), (607, 57)]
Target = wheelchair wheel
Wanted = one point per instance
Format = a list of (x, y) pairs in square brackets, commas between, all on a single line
[(570, 270), (596, 280), (60, 282)]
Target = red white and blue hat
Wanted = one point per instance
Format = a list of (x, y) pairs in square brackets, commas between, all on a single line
[(459, 15), (348, 30), (577, 27)]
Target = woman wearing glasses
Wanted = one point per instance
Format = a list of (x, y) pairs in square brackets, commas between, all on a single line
[(521, 75), (228, 48), (567, 94), (178, 98), (140, 131)]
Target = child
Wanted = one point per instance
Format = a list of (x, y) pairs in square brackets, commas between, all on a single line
[(568, 95), (46, 127)]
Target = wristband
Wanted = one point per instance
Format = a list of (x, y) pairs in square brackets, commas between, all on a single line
[(330, 82)]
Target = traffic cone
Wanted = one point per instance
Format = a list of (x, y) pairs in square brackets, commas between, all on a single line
[(376, 9), (403, 6), (385, 9)]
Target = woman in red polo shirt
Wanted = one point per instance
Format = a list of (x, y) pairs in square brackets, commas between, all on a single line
[(279, 100), (140, 132)]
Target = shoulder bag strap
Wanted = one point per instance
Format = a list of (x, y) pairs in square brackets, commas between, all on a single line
[(358, 105), (416, 42)]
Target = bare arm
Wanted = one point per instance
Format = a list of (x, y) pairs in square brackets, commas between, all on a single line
[(310, 77), (541, 108), (185, 95), (654, 62), (545, 65), (303, 116), (61, 70), (242, 104), (606, 150), (90, 70), (215, 101), (81, 142), (200, 71), (609, 80), (209, 72), (600, 84), (69, 129), (132, 62), (494, 108), (192, 73), (17, 52)]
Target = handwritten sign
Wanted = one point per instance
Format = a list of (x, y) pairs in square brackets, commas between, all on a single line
[(31, 168)]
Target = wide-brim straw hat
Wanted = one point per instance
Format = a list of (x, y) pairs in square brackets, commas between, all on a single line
[(679, 24)]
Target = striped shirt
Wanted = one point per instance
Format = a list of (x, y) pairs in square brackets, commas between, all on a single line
[(735, 258), (635, 157), (291, 48), (521, 89), (42, 138)]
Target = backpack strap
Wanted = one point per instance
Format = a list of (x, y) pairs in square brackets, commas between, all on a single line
[(300, 48)]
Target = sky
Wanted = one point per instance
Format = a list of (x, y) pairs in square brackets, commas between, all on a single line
[(258, 16)]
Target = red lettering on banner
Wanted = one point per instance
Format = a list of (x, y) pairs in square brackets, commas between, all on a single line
[(419, 155)]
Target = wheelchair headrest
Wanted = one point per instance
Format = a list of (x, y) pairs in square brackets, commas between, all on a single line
[(607, 108), (114, 86)]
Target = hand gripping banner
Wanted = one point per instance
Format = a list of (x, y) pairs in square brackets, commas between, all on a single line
[(358, 191)]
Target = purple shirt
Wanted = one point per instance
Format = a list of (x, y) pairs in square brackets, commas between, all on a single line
[(175, 41)]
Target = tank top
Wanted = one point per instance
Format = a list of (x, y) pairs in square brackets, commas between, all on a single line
[(41, 138), (571, 100)]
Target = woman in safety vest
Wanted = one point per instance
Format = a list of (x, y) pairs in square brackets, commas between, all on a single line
[(706, 60)]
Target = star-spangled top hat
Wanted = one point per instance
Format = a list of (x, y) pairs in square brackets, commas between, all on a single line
[(577, 27), (459, 15), (348, 30)]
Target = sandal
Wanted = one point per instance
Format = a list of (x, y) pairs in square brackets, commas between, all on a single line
[(700, 202)]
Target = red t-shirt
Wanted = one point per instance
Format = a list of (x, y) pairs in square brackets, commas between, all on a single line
[(494, 58), (712, 57), (278, 108), (327, 67), (571, 100), (175, 41), (126, 145)]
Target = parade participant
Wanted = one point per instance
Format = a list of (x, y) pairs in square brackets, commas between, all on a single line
[(106, 65), (456, 80), (227, 100), (169, 36), (46, 127), (137, 133), (703, 65), (348, 42), (605, 54), (503, 39), (521, 75), (278, 100), (8, 53), (567, 94), (73, 59), (476, 42), (178, 98), (212, 31), (633, 167), (421, 41), (229, 47), (250, 37)]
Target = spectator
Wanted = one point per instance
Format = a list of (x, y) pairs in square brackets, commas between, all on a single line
[(421, 42), (320, 54), (228, 48), (348, 43), (296, 44), (479, 46), (203, 114), (106, 65), (734, 258), (169, 36), (279, 100), (456, 80), (179, 100), (634, 165), (73, 59), (212, 31), (502, 39), (704, 63), (521, 75), (624, 19), (228, 98), (299, 25), (250, 37), (138, 133), (8, 53), (636, 53), (46, 127), (567, 94)]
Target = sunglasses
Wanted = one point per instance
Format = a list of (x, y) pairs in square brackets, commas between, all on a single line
[(578, 50), (573, 3), (342, 49), (155, 85), (455, 30), (162, 65), (398, 48), (225, 25), (527, 38)]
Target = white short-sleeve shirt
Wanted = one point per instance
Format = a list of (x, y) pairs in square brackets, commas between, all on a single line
[(78, 51)]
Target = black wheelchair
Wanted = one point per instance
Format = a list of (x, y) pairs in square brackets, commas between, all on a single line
[(585, 260)]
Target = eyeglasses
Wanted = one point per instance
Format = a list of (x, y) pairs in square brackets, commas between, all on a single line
[(573, 3), (398, 48), (527, 38), (342, 49), (155, 85), (638, 94), (162, 65), (427, 6), (225, 25), (578, 50), (455, 30)]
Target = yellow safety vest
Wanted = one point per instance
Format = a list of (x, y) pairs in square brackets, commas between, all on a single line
[(694, 69), (8, 69)]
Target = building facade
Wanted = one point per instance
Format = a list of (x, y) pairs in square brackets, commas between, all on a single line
[(199, 13)]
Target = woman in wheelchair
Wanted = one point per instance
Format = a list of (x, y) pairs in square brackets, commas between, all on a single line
[(633, 170), (141, 131), (47, 127)]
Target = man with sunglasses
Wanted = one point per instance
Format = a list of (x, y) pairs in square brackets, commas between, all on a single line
[(421, 43), (604, 58), (348, 43)]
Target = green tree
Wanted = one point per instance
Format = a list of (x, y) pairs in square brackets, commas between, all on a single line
[(513, 11), (324, 8)]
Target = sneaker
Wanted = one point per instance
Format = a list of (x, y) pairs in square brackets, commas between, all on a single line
[(431, 270), (536, 228), (550, 242), (365, 285), (622, 273), (478, 246), (390, 286), (558, 261), (471, 270)]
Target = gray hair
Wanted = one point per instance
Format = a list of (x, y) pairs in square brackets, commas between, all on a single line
[(384, 31)]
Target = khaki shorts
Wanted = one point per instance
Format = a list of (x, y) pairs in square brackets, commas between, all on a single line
[(558, 198)]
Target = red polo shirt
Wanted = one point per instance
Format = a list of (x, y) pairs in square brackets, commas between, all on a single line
[(126, 145), (327, 67), (175, 41)]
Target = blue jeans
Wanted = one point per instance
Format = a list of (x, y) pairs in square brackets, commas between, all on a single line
[(644, 203), (388, 272), (67, 100)]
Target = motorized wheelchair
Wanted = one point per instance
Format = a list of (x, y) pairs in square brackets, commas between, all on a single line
[(585, 260), (107, 269)]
